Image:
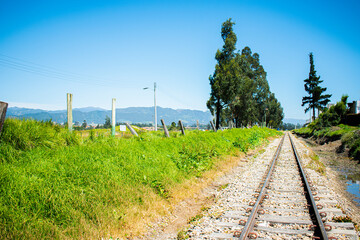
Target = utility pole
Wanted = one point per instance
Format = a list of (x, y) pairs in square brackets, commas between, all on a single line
[(113, 121), (155, 121), (69, 111)]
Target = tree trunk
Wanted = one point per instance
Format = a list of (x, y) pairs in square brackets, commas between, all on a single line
[(218, 110), (313, 114)]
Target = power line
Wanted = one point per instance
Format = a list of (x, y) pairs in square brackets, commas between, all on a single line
[(184, 103), (51, 72)]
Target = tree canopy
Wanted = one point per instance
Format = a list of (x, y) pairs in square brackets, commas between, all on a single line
[(315, 99), (240, 93)]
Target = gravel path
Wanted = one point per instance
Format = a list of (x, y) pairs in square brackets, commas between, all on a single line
[(284, 213)]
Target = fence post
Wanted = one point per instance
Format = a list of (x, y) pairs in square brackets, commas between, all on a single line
[(69, 112), (181, 127), (165, 128), (113, 121), (3, 108), (197, 124), (131, 129), (212, 125)]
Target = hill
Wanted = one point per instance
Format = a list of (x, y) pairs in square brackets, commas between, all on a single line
[(98, 115)]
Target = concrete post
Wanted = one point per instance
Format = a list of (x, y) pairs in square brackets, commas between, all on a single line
[(212, 126), (197, 124), (131, 129), (181, 127), (165, 128), (113, 120), (3, 108), (69, 112), (155, 113)]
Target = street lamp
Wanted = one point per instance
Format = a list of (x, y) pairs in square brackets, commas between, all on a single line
[(155, 114)]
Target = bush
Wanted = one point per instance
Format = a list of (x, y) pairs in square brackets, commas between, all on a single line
[(333, 116)]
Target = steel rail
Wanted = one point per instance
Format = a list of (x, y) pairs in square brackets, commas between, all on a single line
[(320, 229), (251, 220)]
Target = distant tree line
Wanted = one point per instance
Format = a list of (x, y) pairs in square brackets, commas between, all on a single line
[(240, 92), (290, 126)]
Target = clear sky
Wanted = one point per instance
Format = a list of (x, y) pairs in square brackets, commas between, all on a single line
[(100, 50)]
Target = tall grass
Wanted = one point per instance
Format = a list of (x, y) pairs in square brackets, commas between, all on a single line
[(57, 185)]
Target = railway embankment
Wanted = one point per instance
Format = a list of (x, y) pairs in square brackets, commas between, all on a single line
[(349, 137), (284, 209)]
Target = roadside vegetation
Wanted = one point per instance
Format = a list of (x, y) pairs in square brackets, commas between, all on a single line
[(329, 126), (60, 185)]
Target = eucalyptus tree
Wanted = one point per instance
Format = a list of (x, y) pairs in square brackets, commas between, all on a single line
[(315, 99), (240, 92), (220, 81), (274, 112)]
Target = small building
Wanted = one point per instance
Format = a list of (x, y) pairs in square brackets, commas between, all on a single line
[(329, 105), (354, 107)]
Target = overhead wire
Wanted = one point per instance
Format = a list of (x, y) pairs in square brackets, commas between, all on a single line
[(55, 73), (51, 72), (172, 96)]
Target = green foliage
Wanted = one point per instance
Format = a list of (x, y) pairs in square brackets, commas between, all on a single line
[(55, 186), (350, 136), (107, 123), (290, 126), (351, 139), (173, 127), (29, 134), (240, 93), (315, 99), (333, 116)]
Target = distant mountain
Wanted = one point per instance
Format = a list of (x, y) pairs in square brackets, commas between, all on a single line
[(294, 121), (98, 115), (89, 109)]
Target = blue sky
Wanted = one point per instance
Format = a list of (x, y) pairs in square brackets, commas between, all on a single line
[(100, 50)]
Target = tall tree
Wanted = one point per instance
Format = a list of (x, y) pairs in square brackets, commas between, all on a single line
[(315, 99), (239, 90), (220, 81)]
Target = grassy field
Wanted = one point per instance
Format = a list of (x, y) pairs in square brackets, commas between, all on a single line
[(60, 185)]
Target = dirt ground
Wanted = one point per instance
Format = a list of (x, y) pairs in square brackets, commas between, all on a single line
[(338, 168)]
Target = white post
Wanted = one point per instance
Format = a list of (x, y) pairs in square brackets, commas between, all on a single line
[(155, 120), (69, 112), (113, 117)]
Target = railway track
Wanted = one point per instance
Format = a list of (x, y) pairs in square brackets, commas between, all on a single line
[(276, 198)]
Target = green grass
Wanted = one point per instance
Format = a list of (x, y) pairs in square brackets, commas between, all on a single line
[(349, 136), (59, 185), (316, 164)]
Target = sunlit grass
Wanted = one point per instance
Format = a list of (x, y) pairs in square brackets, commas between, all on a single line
[(60, 185)]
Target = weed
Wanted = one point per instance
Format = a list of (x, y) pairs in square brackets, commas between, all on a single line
[(316, 164), (223, 186), (204, 208), (346, 219), (195, 218), (182, 235)]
